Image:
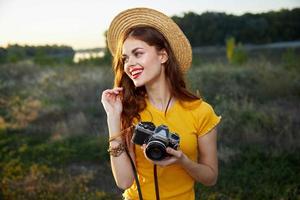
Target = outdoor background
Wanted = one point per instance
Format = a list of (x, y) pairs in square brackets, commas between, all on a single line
[(54, 65)]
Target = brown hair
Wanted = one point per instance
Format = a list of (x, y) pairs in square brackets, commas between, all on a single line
[(133, 98)]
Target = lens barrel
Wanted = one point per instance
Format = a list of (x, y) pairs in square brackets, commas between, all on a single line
[(156, 150)]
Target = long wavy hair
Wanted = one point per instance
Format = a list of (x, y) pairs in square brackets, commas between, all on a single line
[(133, 98)]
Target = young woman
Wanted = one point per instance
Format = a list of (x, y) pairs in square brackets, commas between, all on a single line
[(151, 56)]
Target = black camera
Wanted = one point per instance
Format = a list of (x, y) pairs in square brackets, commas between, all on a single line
[(157, 139)]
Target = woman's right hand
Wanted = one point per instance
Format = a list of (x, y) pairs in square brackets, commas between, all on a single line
[(111, 101)]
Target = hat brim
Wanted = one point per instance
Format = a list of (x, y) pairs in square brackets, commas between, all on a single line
[(148, 17)]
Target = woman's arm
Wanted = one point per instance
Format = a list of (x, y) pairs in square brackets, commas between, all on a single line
[(120, 165), (206, 170)]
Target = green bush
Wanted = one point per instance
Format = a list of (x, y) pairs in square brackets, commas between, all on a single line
[(291, 60), (239, 55), (235, 53)]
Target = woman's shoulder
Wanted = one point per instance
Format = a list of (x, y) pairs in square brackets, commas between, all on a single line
[(196, 105), (203, 115)]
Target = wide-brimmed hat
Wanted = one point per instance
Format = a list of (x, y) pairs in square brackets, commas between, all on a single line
[(136, 17)]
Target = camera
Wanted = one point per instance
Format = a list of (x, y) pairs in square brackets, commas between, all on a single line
[(157, 139)]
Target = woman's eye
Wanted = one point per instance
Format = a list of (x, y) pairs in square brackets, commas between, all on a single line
[(137, 54)]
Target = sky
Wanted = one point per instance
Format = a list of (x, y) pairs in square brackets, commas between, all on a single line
[(81, 23)]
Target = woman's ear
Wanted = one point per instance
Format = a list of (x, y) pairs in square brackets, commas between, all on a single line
[(163, 56)]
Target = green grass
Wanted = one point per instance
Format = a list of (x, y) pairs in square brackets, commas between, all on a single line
[(42, 149), (36, 163), (53, 133), (251, 174), (254, 174)]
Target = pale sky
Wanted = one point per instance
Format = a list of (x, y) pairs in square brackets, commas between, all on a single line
[(82, 23)]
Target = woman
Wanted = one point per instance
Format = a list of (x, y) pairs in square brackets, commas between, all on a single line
[(151, 56)]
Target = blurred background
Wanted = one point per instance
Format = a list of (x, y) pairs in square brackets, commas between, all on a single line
[(54, 64)]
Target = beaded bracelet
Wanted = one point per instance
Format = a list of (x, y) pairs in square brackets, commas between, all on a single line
[(116, 151)]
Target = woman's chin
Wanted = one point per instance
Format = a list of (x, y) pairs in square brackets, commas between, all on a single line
[(137, 84)]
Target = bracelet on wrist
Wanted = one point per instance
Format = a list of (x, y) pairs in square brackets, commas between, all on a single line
[(116, 151)]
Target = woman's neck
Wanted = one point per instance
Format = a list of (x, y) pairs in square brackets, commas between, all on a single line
[(159, 94)]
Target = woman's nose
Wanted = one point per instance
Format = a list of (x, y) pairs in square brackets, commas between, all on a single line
[(131, 61)]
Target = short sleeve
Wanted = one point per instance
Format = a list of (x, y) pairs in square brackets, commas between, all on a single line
[(206, 118)]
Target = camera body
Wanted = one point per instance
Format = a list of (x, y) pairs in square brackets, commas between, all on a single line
[(157, 139)]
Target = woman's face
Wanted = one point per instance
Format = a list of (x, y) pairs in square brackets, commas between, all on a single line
[(143, 63)]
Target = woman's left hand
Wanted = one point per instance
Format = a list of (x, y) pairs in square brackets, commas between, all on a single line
[(176, 157)]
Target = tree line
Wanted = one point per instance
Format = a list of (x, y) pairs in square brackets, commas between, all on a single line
[(213, 28), (43, 55), (209, 28)]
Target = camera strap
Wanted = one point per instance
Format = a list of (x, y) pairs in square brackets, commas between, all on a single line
[(135, 175), (168, 105), (156, 182), (137, 179)]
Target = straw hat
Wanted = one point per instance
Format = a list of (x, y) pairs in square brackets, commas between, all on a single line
[(148, 17)]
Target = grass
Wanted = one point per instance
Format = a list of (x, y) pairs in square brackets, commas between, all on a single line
[(41, 163), (39, 167), (45, 149), (253, 174), (53, 134)]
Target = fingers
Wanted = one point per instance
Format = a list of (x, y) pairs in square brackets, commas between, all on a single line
[(173, 152), (112, 93), (115, 91)]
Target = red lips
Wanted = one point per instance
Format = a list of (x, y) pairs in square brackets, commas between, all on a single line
[(136, 71)]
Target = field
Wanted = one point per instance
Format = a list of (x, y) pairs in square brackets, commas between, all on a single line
[(53, 134)]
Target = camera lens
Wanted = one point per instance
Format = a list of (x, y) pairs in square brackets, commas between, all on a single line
[(156, 150)]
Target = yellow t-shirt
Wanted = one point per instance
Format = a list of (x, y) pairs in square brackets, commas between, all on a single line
[(189, 120)]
